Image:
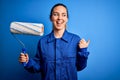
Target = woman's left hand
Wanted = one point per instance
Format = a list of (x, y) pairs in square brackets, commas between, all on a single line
[(83, 43)]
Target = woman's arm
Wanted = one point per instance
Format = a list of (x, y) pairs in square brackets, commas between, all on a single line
[(34, 65), (82, 54)]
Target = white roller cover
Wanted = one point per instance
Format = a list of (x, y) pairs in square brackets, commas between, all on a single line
[(27, 28)]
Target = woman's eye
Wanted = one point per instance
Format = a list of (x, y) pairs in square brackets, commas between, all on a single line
[(55, 14), (64, 15)]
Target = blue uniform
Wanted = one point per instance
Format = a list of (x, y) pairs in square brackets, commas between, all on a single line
[(58, 58)]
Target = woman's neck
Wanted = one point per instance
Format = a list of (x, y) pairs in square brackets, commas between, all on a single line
[(59, 33)]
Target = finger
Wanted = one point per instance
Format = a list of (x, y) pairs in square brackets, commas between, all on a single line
[(83, 41), (88, 42), (22, 54), (80, 41), (27, 57), (22, 57), (22, 60)]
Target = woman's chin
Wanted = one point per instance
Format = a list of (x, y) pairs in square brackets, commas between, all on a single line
[(59, 28)]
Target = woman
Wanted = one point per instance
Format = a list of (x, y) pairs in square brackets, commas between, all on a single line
[(60, 54)]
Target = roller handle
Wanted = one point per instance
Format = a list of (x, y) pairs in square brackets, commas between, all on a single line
[(24, 51)]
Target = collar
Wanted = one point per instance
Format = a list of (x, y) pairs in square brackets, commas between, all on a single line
[(65, 36)]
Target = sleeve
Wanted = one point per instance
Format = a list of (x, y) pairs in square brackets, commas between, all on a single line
[(34, 65), (81, 60)]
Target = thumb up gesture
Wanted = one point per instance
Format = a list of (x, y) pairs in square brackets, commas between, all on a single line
[(83, 43)]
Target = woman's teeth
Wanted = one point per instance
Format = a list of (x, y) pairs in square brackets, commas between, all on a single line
[(59, 22)]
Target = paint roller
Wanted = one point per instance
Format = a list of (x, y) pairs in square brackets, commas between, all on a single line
[(26, 28)]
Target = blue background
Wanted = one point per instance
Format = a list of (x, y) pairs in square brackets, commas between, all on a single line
[(97, 20)]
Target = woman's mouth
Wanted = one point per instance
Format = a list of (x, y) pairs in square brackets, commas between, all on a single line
[(59, 22)]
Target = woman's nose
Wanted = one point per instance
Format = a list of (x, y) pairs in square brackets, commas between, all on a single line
[(59, 17)]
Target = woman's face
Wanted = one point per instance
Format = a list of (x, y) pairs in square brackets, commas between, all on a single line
[(59, 17)]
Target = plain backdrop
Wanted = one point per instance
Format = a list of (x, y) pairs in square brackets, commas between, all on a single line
[(97, 20)]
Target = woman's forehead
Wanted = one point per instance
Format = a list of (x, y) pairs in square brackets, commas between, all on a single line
[(60, 9)]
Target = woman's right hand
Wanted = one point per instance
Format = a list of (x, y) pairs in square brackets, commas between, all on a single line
[(23, 58)]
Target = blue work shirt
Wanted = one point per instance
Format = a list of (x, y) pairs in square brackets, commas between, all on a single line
[(58, 58)]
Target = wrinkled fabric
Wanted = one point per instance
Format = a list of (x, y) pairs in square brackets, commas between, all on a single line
[(58, 58)]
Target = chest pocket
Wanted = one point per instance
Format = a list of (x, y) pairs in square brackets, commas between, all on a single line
[(70, 51)]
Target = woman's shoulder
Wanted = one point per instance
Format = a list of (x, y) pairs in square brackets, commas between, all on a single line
[(45, 37), (74, 35)]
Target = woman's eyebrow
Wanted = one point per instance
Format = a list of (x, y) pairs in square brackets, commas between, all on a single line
[(64, 13), (54, 12), (58, 12)]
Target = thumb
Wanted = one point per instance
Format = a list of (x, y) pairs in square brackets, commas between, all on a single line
[(22, 54), (27, 57), (88, 42)]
